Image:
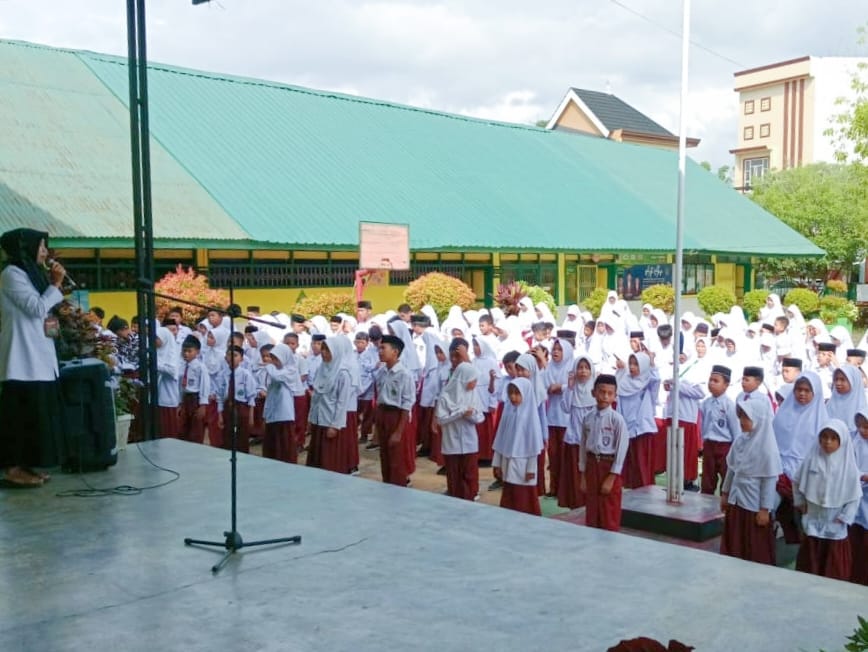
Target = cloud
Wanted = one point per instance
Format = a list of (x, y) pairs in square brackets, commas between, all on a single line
[(507, 60)]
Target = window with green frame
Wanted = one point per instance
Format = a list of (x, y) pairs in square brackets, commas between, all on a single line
[(696, 276)]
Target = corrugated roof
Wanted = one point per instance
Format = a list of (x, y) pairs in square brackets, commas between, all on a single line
[(615, 113), (303, 167), (65, 157)]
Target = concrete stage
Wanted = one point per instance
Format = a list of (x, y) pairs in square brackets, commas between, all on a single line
[(379, 568)]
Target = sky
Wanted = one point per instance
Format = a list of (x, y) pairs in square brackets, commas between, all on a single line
[(497, 59)]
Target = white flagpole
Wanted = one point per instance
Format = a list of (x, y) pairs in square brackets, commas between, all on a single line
[(675, 486)]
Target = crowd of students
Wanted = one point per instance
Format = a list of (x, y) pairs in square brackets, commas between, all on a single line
[(777, 408)]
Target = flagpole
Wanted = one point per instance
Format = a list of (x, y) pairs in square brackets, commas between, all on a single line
[(675, 485)]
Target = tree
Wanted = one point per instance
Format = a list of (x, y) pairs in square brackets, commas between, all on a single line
[(849, 129), (826, 203)]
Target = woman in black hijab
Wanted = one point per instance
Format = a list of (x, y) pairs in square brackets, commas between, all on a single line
[(30, 424)]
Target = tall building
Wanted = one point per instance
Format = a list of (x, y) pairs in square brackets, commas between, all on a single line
[(784, 108)]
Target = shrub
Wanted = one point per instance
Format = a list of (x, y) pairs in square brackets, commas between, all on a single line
[(807, 301), (594, 302), (714, 299), (836, 285), (441, 291), (507, 297), (753, 302), (660, 296), (326, 304), (188, 286), (833, 308), (538, 295)]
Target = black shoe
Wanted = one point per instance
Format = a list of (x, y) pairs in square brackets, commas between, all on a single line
[(423, 452), (372, 446), (691, 486), (441, 470), (494, 486)]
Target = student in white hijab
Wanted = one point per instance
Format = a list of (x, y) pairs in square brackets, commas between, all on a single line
[(332, 398), (842, 340), (772, 309), (526, 313), (518, 445), (454, 320), (431, 314), (827, 490), (458, 411), (748, 493), (573, 320)]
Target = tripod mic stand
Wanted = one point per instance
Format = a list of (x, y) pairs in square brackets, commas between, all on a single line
[(232, 541)]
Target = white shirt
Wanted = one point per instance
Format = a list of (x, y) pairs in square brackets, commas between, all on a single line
[(515, 469), (604, 432)]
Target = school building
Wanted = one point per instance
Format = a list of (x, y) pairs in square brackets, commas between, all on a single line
[(264, 184)]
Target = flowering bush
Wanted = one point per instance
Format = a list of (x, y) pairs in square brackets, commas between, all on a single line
[(187, 285), (507, 297), (79, 338), (660, 296), (753, 302), (441, 292), (714, 298), (539, 295), (836, 285), (326, 304), (806, 300), (594, 302)]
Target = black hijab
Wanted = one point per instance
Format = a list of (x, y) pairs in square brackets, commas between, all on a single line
[(22, 247)]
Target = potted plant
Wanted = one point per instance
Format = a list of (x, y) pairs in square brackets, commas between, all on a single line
[(126, 397)]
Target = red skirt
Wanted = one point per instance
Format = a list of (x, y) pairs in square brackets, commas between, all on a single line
[(658, 447), (786, 513), (212, 421), (325, 452), (485, 435), (556, 442), (858, 537), (541, 473), (350, 439), (521, 498), (569, 483), (744, 539), (827, 557), (637, 469), (192, 425), (692, 444), (366, 416), (301, 405), (169, 423), (462, 475), (278, 442), (258, 428)]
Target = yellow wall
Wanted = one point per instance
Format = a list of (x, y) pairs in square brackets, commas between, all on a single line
[(724, 275), (602, 277), (383, 298)]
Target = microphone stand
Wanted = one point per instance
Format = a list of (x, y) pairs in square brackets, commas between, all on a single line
[(232, 541)]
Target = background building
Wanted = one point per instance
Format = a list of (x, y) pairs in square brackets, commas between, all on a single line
[(783, 110), (263, 185)]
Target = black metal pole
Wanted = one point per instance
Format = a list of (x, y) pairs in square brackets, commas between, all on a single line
[(143, 231)]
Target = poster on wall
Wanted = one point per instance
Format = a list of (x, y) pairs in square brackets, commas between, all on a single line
[(632, 280)]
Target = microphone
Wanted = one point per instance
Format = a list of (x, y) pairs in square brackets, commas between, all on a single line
[(66, 277)]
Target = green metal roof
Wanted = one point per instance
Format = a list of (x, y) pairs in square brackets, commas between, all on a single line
[(65, 157), (302, 167)]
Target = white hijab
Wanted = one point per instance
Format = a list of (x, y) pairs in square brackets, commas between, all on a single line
[(455, 397), (830, 480), (519, 433), (755, 454)]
